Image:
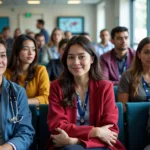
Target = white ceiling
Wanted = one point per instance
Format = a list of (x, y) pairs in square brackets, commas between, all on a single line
[(47, 2)]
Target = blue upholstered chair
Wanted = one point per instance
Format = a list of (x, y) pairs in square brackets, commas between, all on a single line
[(120, 122), (33, 110), (43, 127), (116, 93), (137, 117)]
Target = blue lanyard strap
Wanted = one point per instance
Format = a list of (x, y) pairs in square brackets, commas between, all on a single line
[(123, 69), (80, 110), (146, 89)]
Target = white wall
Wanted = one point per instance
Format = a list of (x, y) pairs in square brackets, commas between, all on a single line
[(51, 12), (117, 13)]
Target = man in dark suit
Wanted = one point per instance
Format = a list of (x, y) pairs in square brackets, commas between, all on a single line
[(120, 58), (40, 25)]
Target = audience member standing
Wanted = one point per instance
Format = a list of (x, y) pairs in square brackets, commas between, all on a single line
[(120, 58), (40, 25)]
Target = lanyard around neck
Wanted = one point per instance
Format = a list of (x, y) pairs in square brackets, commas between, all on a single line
[(146, 89), (123, 69), (82, 110)]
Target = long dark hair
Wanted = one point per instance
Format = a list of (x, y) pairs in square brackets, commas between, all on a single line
[(14, 62), (137, 67), (66, 80)]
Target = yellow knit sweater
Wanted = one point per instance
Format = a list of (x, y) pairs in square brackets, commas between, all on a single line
[(38, 87)]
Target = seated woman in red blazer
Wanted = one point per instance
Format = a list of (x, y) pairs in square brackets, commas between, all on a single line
[(82, 112)]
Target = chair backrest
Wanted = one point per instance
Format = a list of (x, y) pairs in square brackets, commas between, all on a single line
[(43, 127), (116, 93), (34, 123), (137, 118), (120, 122)]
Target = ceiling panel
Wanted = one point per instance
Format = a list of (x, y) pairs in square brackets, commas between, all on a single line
[(47, 2)]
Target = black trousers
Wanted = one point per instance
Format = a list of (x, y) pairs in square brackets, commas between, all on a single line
[(79, 147)]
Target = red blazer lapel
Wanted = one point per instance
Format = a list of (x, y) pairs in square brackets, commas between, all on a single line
[(93, 89)]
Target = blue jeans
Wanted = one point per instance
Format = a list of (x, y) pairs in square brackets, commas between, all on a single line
[(79, 147)]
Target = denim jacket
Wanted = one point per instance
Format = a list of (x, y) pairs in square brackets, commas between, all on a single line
[(19, 134)]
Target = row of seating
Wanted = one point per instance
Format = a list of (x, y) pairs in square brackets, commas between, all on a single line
[(132, 125)]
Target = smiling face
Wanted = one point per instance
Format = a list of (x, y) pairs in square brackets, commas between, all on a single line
[(79, 61), (3, 59), (28, 52), (144, 56)]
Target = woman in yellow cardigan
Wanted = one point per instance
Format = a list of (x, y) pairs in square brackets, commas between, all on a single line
[(23, 69)]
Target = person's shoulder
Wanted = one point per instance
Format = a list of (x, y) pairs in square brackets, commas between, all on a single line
[(55, 82), (16, 87), (55, 85), (8, 73), (132, 50), (102, 83), (40, 68), (107, 56)]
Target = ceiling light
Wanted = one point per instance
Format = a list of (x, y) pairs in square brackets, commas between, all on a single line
[(34, 2), (1, 2), (74, 2)]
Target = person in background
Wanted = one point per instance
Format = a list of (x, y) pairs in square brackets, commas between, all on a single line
[(15, 133), (40, 25), (120, 58), (78, 117), (27, 31), (7, 39), (23, 70), (134, 85), (31, 34), (40, 39), (105, 45), (86, 34), (68, 35), (52, 51), (17, 33), (55, 67)]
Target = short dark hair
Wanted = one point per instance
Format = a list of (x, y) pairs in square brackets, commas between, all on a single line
[(41, 21), (118, 29), (62, 42), (84, 33), (38, 35), (103, 31), (5, 29)]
